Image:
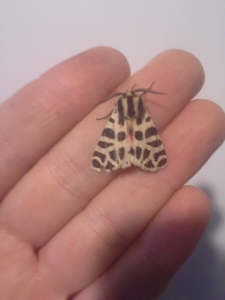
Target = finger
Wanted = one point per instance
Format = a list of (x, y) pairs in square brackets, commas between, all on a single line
[(62, 183), (98, 235), (41, 113), (147, 267), (177, 73)]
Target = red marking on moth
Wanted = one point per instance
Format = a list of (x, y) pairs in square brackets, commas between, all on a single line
[(130, 131)]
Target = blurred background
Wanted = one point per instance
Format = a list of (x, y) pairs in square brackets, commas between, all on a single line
[(35, 35)]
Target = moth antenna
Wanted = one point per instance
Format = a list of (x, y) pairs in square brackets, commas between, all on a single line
[(149, 90), (133, 87)]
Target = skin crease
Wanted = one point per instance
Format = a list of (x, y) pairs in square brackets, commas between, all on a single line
[(68, 232)]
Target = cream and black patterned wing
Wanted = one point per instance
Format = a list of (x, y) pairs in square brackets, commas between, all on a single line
[(112, 149), (148, 152)]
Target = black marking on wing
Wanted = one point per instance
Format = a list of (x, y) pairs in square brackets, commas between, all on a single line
[(112, 155), (121, 136), (130, 107), (155, 143), (158, 154), (104, 145), (138, 135), (121, 152), (150, 132), (121, 118), (146, 154), (100, 155), (109, 133), (138, 152), (141, 111), (149, 164)]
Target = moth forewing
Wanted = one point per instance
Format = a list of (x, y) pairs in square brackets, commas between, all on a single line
[(129, 137), (149, 151)]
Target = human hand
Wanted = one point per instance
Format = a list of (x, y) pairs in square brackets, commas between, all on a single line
[(69, 232)]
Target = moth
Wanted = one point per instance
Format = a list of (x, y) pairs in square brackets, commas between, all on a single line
[(130, 136)]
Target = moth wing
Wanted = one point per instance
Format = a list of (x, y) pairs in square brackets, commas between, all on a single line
[(112, 151), (148, 152)]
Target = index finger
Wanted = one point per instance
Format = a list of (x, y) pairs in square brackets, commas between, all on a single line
[(35, 118)]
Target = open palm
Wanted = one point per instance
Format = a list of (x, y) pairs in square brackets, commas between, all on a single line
[(69, 232)]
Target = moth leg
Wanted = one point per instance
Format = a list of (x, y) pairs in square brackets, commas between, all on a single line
[(105, 116)]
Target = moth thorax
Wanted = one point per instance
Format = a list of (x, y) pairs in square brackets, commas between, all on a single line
[(130, 104)]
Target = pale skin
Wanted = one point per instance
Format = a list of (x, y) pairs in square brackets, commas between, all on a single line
[(69, 232)]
